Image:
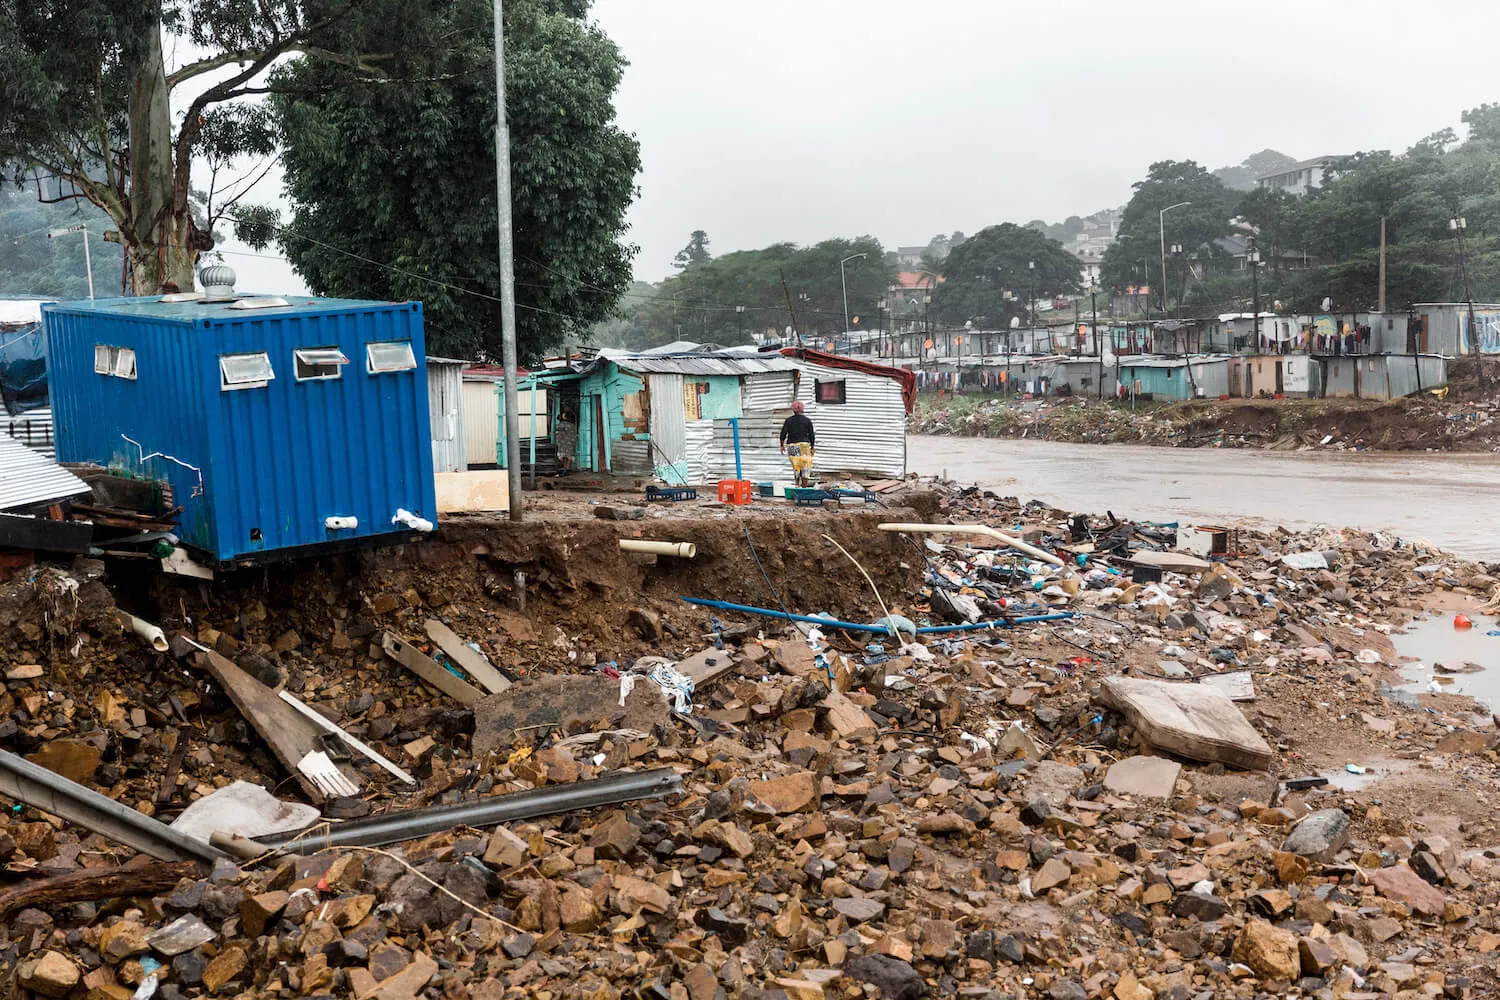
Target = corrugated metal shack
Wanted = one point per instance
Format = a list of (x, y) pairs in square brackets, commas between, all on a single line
[(1383, 376), (1444, 328), (678, 417), (445, 411), (284, 427), (1170, 378)]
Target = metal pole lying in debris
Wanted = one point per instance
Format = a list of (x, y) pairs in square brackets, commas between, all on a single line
[(48, 791), (878, 627), (413, 824), (977, 529)]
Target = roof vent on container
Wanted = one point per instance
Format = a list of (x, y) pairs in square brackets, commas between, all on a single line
[(217, 280)]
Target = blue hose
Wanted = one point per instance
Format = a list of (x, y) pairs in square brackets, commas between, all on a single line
[(879, 628)]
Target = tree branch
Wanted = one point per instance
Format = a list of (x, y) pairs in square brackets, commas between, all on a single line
[(202, 66), (225, 89)]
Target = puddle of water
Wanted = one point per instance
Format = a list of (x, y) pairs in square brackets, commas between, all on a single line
[(1347, 781), (1434, 641)]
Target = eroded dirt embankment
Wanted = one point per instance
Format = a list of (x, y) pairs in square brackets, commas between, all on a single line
[(531, 593)]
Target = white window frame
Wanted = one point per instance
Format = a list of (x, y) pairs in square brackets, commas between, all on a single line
[(409, 363), (231, 384), (318, 358), (116, 362)]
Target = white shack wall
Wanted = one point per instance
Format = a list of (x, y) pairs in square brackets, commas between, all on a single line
[(668, 429), (445, 410), (864, 434), (481, 422)]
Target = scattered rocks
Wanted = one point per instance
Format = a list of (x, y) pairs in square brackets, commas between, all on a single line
[(1319, 835)]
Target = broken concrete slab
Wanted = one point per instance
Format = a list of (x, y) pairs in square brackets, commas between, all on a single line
[(1149, 777), (1188, 720), (564, 704)]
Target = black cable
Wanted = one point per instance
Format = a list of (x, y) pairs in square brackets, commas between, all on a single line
[(764, 575)]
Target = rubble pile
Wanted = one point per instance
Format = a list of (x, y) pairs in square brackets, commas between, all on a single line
[(1143, 800), (1425, 422)]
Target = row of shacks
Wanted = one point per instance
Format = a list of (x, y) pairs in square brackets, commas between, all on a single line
[(1235, 354), (249, 429), (699, 417), (1196, 376)]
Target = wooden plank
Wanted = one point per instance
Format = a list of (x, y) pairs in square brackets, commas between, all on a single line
[(1172, 562), (427, 668), (37, 533), (480, 490), (706, 666), (1189, 720), (289, 736), (470, 661)]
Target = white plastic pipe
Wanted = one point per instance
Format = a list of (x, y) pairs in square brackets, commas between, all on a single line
[(977, 529), (153, 635), (407, 519), (341, 523), (685, 550)]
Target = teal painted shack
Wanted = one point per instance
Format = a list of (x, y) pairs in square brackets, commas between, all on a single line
[(1198, 377), (693, 419)]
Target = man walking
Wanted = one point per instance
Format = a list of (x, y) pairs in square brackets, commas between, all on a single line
[(798, 439)]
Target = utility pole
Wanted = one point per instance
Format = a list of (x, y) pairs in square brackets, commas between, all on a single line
[(1380, 305), (507, 275), (1458, 224), (1254, 260), (1094, 323)]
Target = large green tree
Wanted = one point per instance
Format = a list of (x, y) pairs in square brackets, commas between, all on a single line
[(735, 296), (694, 253), (90, 99), (393, 187), (989, 277), (1134, 257)]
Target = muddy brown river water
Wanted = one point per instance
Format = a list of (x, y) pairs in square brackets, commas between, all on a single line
[(1448, 500)]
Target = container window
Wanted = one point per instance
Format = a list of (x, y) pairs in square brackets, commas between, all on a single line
[(829, 392), (118, 362), (245, 371), (314, 364), (390, 356)]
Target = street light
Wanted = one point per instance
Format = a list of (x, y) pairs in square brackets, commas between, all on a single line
[(845, 283), (88, 263), (1161, 225)]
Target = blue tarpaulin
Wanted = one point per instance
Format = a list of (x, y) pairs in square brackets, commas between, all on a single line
[(23, 367)]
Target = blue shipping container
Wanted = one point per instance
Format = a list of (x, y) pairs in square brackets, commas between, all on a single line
[(267, 421)]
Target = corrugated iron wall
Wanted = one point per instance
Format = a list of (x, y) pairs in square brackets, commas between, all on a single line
[(445, 411), (28, 478), (866, 434), (668, 428), (768, 391)]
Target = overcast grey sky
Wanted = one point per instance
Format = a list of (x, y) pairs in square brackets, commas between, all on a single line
[(768, 120)]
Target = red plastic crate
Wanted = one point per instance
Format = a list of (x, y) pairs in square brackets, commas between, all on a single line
[(736, 491)]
